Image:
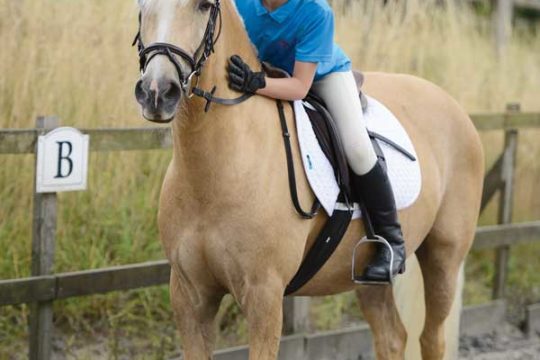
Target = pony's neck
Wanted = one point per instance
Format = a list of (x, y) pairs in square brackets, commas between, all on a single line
[(233, 41), (210, 143)]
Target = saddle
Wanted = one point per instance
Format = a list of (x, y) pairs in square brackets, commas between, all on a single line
[(330, 143)]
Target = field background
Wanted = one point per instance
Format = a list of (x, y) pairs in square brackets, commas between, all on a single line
[(72, 58)]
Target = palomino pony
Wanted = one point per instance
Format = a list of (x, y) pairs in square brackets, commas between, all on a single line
[(226, 220)]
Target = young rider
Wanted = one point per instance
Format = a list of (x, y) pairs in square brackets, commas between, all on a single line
[(298, 36)]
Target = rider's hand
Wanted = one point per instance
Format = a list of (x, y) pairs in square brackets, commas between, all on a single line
[(242, 78)]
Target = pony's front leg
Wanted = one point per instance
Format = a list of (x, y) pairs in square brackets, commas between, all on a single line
[(194, 309), (262, 303)]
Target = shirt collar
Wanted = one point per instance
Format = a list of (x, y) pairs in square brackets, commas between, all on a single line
[(281, 13)]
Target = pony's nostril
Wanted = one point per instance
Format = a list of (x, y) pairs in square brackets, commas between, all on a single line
[(172, 93), (140, 93)]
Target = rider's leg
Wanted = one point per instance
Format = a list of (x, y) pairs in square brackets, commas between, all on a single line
[(339, 92)]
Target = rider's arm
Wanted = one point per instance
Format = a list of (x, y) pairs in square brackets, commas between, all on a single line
[(315, 45), (294, 88)]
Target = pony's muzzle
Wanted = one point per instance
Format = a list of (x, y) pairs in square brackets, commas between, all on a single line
[(159, 99)]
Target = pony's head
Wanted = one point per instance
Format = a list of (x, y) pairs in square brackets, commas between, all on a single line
[(174, 40)]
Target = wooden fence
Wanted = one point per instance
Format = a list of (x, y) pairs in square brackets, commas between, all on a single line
[(503, 17), (44, 286)]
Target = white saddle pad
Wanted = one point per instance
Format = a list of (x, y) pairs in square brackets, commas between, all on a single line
[(404, 173)]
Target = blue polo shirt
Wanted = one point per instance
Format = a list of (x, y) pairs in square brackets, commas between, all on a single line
[(300, 30)]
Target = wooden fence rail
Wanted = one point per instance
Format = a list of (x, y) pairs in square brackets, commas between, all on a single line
[(128, 277), (23, 141), (44, 286)]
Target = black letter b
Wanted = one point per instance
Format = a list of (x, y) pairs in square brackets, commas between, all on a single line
[(62, 157)]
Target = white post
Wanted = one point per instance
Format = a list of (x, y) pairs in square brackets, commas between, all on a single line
[(503, 24)]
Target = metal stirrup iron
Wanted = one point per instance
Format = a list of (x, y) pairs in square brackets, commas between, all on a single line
[(371, 237), (357, 279)]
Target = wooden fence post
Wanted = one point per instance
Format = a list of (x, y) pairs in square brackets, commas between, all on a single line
[(503, 15), (295, 314), (506, 203), (43, 239)]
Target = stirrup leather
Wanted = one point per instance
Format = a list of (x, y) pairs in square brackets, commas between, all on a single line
[(358, 279)]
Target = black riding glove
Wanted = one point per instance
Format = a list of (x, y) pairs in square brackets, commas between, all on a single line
[(242, 78)]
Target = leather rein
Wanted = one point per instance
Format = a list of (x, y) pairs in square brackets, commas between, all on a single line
[(205, 49)]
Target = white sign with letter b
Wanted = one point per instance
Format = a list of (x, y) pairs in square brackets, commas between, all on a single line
[(62, 161)]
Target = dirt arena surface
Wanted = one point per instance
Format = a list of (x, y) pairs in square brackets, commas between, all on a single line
[(506, 343)]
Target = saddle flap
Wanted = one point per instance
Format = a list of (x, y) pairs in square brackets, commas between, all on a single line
[(329, 140)]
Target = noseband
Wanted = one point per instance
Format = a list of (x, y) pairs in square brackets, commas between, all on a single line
[(205, 49)]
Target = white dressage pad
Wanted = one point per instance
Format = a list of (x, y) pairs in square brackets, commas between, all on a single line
[(404, 173)]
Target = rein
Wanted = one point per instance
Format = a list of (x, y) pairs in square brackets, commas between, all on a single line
[(205, 49)]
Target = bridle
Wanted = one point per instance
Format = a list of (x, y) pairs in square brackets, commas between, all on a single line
[(206, 47), (196, 61)]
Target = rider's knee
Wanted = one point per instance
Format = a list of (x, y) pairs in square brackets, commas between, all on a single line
[(361, 158)]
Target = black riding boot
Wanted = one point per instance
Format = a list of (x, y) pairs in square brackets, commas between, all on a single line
[(375, 190)]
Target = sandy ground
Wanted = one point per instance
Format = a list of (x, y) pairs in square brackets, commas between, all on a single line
[(506, 343)]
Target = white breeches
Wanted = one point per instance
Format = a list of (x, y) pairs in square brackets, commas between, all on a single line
[(339, 92)]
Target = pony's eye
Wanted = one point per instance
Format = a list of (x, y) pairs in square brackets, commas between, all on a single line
[(205, 5)]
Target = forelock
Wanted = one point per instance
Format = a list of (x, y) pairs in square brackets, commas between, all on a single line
[(152, 4)]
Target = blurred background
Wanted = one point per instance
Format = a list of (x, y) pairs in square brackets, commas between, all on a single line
[(73, 59)]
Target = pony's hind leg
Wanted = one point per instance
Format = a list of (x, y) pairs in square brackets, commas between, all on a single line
[(194, 311), (379, 309), (442, 253), (440, 257)]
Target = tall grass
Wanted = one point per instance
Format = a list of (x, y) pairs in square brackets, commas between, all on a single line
[(73, 58)]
